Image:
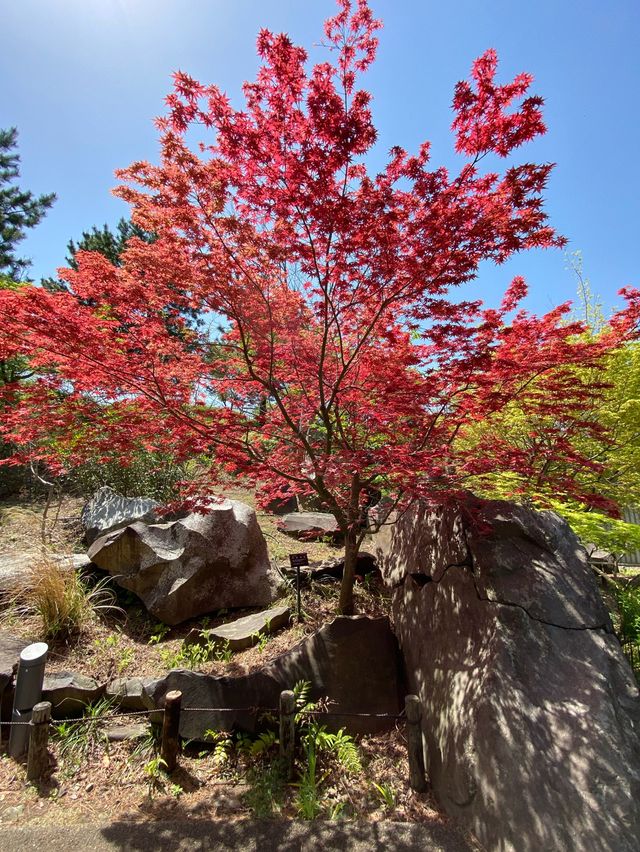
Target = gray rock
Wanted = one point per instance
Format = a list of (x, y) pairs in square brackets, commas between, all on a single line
[(11, 813), (107, 510), (243, 632), (308, 524), (365, 564), (194, 565), (15, 566), (531, 715), (353, 661), (128, 693), (69, 693), (282, 505), (117, 733), (10, 649)]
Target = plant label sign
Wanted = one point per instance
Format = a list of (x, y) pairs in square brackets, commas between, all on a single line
[(297, 560)]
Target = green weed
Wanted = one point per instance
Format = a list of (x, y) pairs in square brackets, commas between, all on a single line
[(629, 604), (160, 632), (196, 655), (153, 770), (77, 738), (266, 790), (386, 795), (261, 640)]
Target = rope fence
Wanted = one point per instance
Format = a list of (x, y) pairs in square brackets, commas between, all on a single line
[(36, 741), (337, 714)]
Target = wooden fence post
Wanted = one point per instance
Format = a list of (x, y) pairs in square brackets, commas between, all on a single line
[(170, 728), (38, 759), (287, 730), (413, 711)]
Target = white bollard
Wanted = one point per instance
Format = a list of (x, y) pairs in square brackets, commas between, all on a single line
[(28, 693)]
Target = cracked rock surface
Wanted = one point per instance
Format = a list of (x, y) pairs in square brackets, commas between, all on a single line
[(193, 565), (531, 714)]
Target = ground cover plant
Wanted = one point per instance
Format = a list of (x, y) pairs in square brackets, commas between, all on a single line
[(335, 354), (91, 779)]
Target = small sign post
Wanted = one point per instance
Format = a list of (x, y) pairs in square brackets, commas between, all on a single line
[(296, 560)]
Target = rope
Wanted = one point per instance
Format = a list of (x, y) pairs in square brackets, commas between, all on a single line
[(228, 709), (131, 713)]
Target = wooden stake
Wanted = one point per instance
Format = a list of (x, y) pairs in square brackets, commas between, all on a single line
[(38, 759), (170, 728), (413, 711), (287, 730)]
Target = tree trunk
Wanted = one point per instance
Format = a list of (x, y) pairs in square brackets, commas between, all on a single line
[(351, 547)]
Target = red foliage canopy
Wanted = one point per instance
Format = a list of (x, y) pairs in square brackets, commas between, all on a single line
[(333, 355)]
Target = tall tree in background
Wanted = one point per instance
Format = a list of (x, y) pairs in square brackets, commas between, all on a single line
[(337, 291), (19, 208), (108, 243), (607, 435)]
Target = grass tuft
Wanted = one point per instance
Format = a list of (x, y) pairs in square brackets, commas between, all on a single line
[(61, 597)]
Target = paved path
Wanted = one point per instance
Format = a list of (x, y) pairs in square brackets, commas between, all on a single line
[(243, 836)]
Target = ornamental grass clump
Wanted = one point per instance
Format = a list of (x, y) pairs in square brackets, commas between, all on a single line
[(61, 597)]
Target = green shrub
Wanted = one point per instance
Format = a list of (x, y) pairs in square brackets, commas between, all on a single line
[(629, 604), (148, 474)]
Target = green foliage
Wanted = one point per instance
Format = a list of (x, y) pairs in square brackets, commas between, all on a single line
[(341, 745), (308, 802), (615, 451), (386, 794), (318, 744), (321, 754), (153, 770), (147, 745), (301, 692), (19, 209), (316, 740), (150, 474), (77, 738), (261, 640), (222, 745), (160, 633), (110, 647), (266, 790), (196, 655), (629, 604), (611, 534)]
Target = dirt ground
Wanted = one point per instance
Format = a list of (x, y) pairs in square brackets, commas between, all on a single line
[(92, 779)]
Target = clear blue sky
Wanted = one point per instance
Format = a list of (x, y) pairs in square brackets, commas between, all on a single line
[(83, 79)]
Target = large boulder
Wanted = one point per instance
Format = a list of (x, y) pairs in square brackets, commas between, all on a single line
[(308, 525), (10, 649), (194, 565), (353, 661), (531, 714), (107, 510)]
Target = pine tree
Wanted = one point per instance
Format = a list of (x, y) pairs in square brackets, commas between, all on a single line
[(19, 208)]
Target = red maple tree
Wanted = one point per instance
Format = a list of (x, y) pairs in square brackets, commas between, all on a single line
[(333, 357)]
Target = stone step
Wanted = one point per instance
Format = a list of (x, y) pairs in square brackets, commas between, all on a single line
[(243, 632), (118, 732)]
